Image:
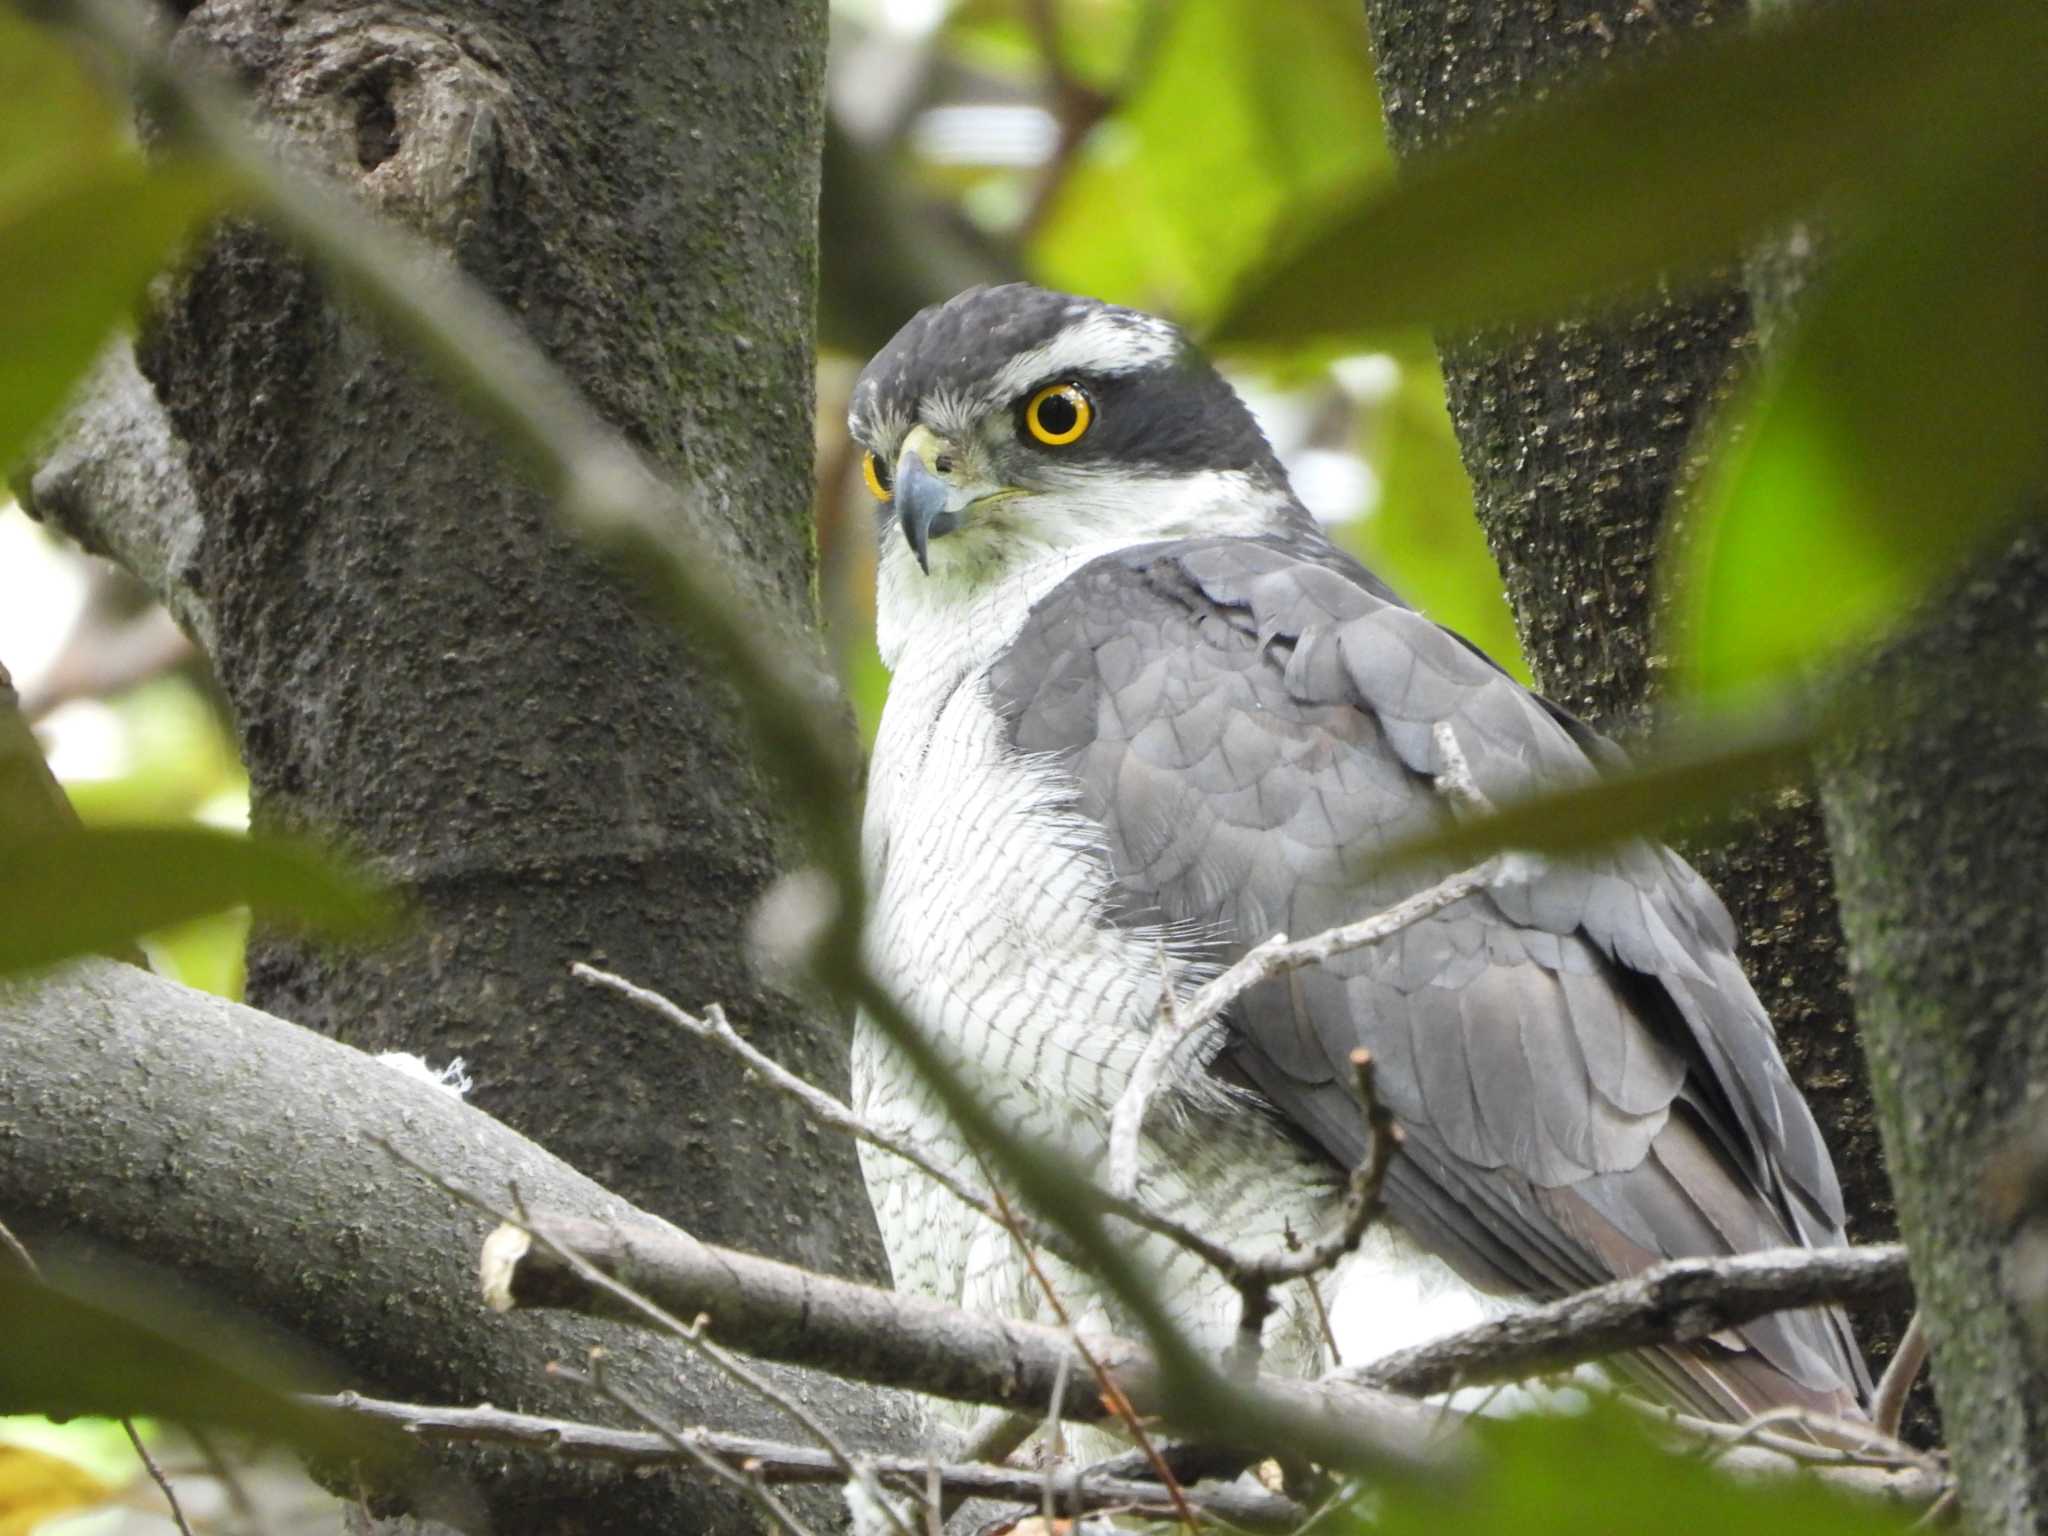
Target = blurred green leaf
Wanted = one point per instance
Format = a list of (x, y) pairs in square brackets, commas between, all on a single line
[(1699, 775), (54, 119), (1900, 432), (77, 255), (1096, 38), (1665, 168), (1246, 114), (67, 1355), (1600, 1474), (91, 890)]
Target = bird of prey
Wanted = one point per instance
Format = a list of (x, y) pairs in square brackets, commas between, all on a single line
[(1144, 715)]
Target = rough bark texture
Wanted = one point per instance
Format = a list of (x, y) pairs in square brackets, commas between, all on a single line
[(1578, 437), (1938, 812), (422, 667), (175, 1135)]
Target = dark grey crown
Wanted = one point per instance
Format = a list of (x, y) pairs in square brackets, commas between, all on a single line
[(1171, 412)]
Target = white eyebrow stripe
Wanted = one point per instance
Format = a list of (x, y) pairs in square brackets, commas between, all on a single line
[(1103, 342)]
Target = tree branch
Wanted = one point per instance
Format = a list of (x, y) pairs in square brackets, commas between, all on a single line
[(1673, 1303), (1074, 1491), (170, 1128), (112, 476), (779, 1312)]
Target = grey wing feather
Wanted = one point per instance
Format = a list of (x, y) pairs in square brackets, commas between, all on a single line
[(1588, 1082)]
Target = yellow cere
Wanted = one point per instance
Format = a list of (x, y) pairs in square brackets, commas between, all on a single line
[(1058, 414)]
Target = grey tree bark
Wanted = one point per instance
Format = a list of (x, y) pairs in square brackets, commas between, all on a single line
[(1937, 814), (173, 1134), (1581, 439), (424, 669)]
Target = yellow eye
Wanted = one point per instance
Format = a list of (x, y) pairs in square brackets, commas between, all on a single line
[(876, 474), (1058, 414)]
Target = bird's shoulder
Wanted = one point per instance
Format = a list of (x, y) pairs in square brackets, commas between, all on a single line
[(1589, 1080)]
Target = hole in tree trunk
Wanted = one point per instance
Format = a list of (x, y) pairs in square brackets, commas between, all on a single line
[(377, 135)]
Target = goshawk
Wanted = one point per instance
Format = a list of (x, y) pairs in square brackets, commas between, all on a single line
[(1142, 706)]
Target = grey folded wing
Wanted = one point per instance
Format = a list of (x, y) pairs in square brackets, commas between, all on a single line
[(1587, 1080)]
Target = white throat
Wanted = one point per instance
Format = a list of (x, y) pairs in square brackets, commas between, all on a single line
[(985, 577)]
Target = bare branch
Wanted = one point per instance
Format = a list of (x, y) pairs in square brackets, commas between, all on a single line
[(1075, 1491), (784, 1313), (1256, 1283), (829, 1112), (1673, 1303), (834, 1114), (1110, 1392), (112, 475), (741, 1476), (1454, 781), (1917, 1482), (1275, 957), (1888, 1403), (156, 1475)]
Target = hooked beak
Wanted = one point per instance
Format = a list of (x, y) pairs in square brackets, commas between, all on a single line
[(921, 509)]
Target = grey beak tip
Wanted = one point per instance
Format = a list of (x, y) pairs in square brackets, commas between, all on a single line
[(921, 508)]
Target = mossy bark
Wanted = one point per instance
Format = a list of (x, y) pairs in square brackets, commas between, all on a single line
[(424, 668), (1937, 813), (1581, 439)]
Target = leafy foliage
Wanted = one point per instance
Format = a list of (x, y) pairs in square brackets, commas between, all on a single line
[(97, 888), (1903, 422), (84, 223), (69, 1354), (1600, 1473)]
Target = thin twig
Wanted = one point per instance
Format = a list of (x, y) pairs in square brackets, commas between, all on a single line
[(1724, 1441), (1255, 1285), (1888, 1403), (224, 1474), (1052, 1439), (834, 1114), (1847, 1441), (829, 1112), (692, 1336), (681, 1441), (1675, 1302), (1113, 1395), (1077, 1491), (1454, 779), (1941, 1511), (1276, 956), (18, 1252), (156, 1475)]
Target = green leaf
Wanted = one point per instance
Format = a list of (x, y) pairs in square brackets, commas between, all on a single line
[(53, 119), (1704, 772), (93, 889), (1665, 168), (1599, 1473), (67, 1355), (77, 255), (1901, 431), (1247, 114)]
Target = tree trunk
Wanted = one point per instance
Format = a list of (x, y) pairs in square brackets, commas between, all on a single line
[(425, 669), (1937, 811), (1578, 438)]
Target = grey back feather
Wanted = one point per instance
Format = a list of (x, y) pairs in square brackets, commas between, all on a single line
[(1588, 1082)]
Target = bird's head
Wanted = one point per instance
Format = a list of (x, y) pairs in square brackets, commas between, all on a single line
[(1009, 422)]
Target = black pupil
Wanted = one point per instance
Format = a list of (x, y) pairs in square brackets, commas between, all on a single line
[(882, 470), (1056, 415)]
